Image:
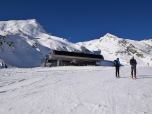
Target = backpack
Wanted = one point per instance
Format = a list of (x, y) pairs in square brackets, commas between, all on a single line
[(132, 62), (115, 63)]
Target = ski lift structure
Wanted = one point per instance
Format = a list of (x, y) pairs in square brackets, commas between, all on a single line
[(65, 58)]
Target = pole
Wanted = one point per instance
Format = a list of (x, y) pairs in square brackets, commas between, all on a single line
[(137, 72), (122, 73)]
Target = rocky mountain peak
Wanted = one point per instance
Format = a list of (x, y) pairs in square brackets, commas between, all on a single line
[(108, 35), (112, 47), (26, 41)]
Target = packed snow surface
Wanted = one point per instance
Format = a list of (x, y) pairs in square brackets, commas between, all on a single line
[(75, 90)]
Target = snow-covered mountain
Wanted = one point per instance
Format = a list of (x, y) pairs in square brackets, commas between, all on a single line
[(112, 47), (23, 43)]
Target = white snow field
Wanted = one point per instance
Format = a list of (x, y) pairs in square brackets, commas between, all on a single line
[(75, 90)]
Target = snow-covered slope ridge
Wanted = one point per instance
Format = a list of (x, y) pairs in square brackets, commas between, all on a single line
[(24, 42), (112, 47)]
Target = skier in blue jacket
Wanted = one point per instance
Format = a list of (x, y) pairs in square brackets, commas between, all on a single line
[(117, 65)]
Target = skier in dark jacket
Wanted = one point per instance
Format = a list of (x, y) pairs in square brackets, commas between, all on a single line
[(117, 65), (133, 64)]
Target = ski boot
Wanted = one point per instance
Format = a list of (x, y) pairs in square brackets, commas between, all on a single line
[(135, 76)]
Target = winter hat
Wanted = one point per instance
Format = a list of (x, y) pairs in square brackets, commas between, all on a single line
[(132, 57), (117, 58)]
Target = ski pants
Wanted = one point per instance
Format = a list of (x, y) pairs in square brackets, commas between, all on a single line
[(133, 69), (117, 71)]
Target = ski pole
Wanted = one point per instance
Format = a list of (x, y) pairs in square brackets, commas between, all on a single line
[(137, 72), (122, 73)]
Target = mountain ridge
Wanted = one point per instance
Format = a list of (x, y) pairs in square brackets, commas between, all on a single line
[(111, 45), (23, 43)]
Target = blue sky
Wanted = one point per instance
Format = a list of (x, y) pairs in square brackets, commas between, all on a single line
[(84, 20)]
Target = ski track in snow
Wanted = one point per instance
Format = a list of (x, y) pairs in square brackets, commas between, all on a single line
[(75, 90), (19, 84)]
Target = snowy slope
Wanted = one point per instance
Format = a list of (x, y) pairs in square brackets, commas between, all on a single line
[(24, 42), (112, 47), (75, 90)]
